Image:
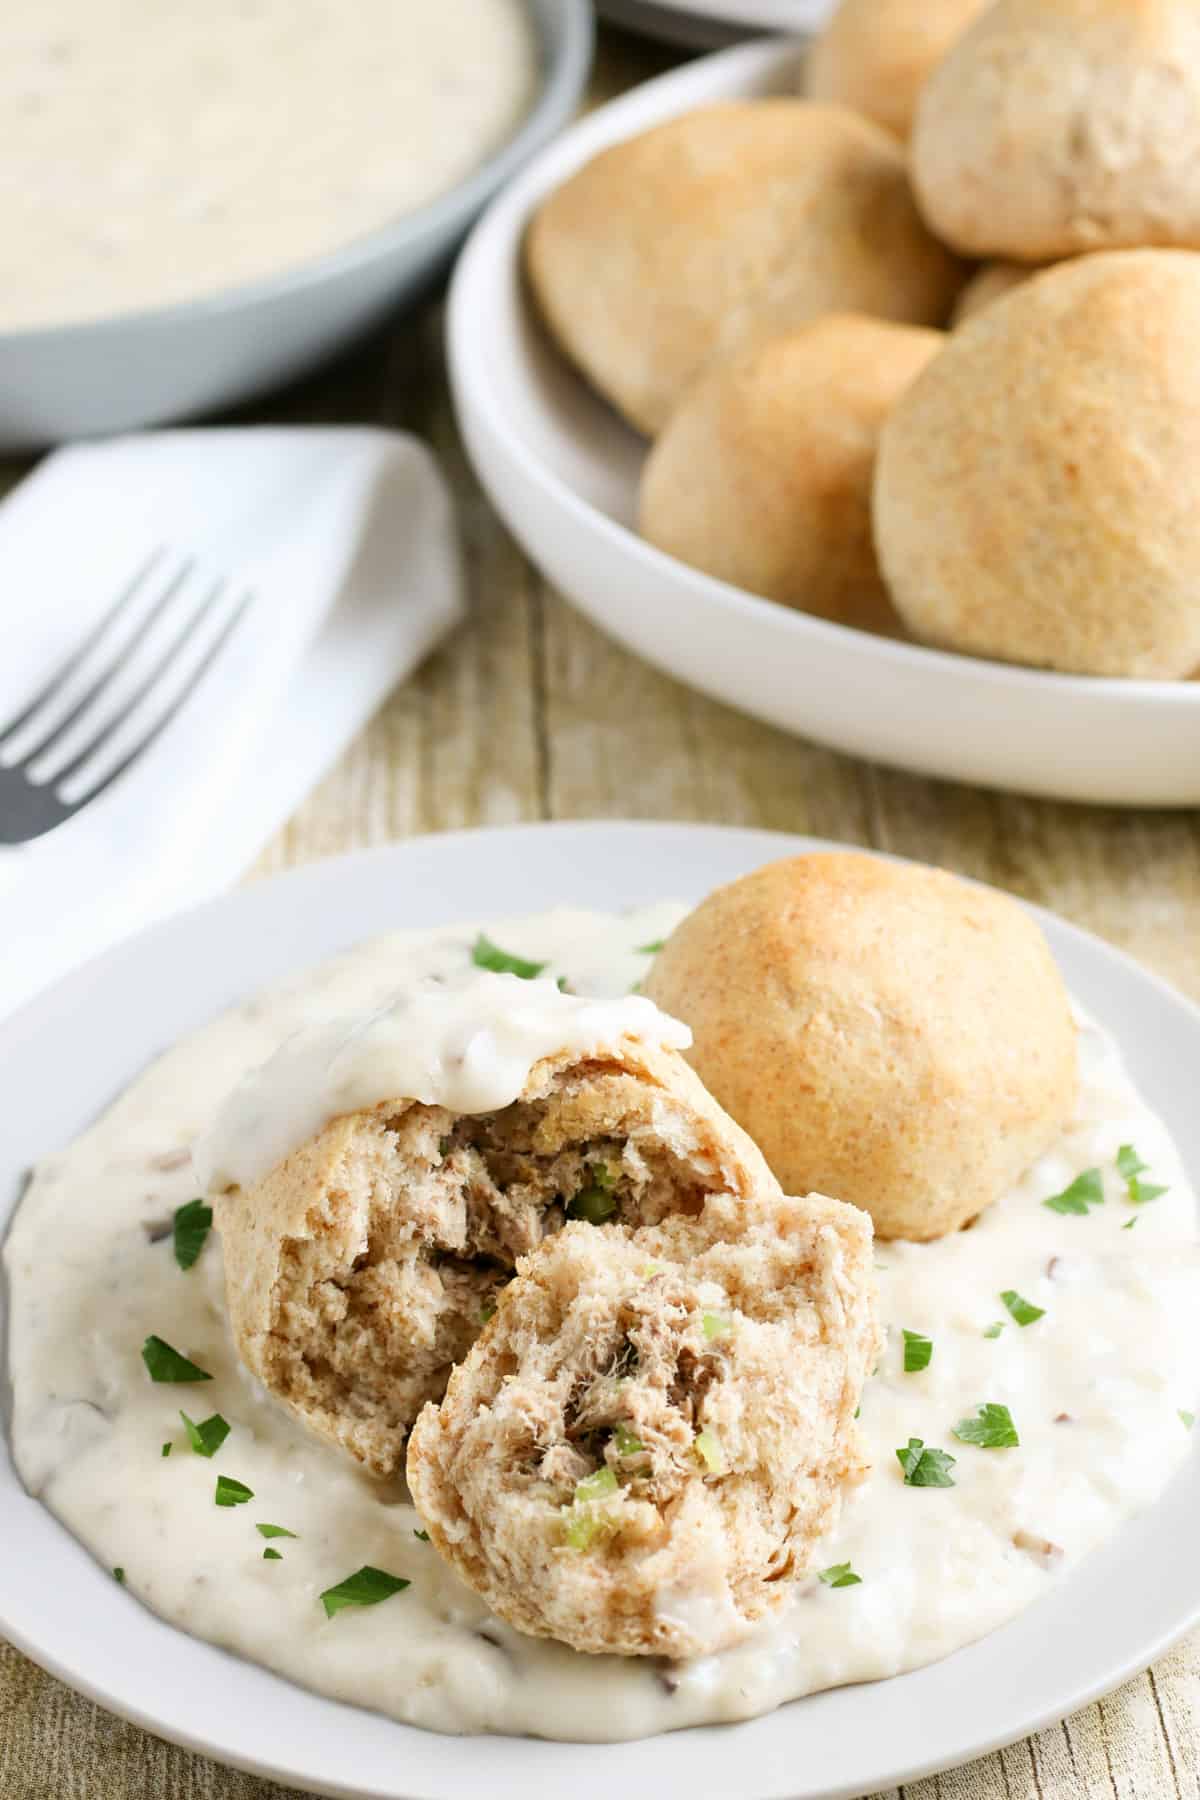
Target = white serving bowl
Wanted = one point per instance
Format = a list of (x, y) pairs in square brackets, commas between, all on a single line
[(562, 470), (170, 362), (711, 24)]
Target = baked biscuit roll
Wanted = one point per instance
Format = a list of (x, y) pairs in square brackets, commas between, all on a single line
[(376, 1182), (645, 1448)]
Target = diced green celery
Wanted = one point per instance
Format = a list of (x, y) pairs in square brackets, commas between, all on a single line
[(708, 1448), (626, 1441), (592, 1204), (717, 1325), (596, 1486)]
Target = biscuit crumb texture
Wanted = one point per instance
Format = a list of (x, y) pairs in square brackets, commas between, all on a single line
[(366, 1263), (644, 1449)]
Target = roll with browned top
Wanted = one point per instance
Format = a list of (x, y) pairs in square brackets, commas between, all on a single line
[(886, 1032), (671, 250), (875, 56), (763, 476), (1058, 126), (1037, 490)]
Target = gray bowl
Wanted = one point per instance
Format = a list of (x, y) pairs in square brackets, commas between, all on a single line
[(171, 362)]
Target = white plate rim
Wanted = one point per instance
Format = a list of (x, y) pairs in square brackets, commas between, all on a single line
[(1160, 1585), (744, 64)]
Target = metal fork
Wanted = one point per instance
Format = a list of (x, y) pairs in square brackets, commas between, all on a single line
[(32, 804)]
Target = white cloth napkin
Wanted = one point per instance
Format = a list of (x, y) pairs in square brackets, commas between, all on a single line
[(344, 538)]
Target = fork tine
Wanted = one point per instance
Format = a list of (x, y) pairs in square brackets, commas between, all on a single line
[(176, 706), (65, 670), (97, 687), (143, 689)]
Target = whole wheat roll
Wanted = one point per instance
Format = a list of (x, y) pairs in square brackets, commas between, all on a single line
[(893, 1034), (671, 250), (1060, 126), (763, 475), (1037, 491), (875, 56)]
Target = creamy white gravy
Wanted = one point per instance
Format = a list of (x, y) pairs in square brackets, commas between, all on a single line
[(1095, 1388), (154, 153), (467, 1042)]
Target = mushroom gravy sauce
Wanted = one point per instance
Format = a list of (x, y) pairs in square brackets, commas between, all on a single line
[(1095, 1388)]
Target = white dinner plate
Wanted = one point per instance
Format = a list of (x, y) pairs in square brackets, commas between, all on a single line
[(69, 1053), (562, 470), (710, 24)]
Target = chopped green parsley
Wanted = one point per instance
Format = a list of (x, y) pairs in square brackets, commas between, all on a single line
[(925, 1467), (918, 1351), (1189, 1419), (994, 1330), (627, 1442), (366, 1587), (1023, 1311), (1130, 1167), (992, 1429), (165, 1364), (207, 1437), (271, 1556), (166, 1449), (230, 1492), (486, 955), (191, 1227), (839, 1575), (119, 1576), (487, 1311), (651, 949), (274, 1531), (423, 1535), (1086, 1190)]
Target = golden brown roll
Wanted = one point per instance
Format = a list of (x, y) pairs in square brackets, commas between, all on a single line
[(874, 56), (366, 1262), (885, 1032), (991, 282), (763, 475), (1056, 126), (675, 248), (1037, 491), (646, 1447)]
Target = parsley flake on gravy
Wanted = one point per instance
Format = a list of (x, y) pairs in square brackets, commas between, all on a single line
[(992, 1429), (486, 955), (165, 1364), (191, 1227), (925, 1467), (232, 1493), (207, 1437), (366, 1587), (1086, 1190), (423, 1535), (839, 1575), (1130, 1167), (271, 1531), (1023, 1311), (918, 1351)]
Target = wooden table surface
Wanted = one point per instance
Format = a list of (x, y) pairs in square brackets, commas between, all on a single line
[(529, 713)]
